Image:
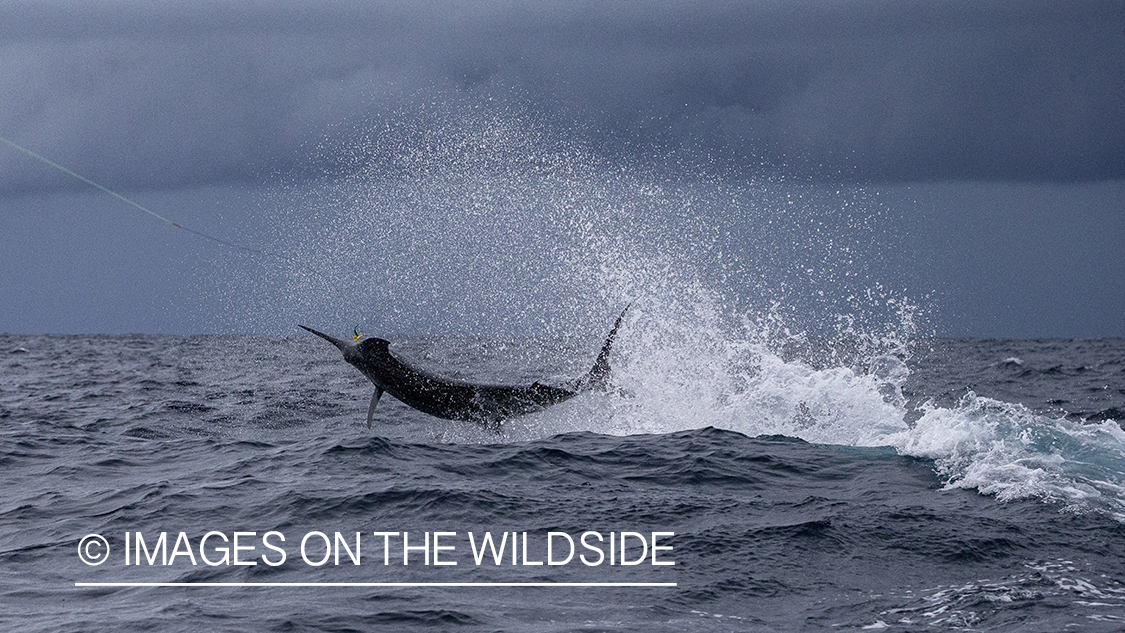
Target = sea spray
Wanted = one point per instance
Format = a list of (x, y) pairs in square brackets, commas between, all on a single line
[(758, 305)]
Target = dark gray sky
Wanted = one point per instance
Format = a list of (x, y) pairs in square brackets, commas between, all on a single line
[(952, 118)]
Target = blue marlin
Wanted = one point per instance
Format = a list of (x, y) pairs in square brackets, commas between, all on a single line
[(458, 400)]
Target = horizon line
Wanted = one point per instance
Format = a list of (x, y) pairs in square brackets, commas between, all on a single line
[(375, 584)]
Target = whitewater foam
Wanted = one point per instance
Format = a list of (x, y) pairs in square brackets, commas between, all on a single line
[(1005, 450), (688, 370)]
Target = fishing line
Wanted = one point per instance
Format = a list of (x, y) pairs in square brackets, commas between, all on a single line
[(229, 244), (130, 202)]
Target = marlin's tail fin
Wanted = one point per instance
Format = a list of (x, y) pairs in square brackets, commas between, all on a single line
[(598, 377)]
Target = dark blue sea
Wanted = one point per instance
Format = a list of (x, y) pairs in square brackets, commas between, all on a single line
[(942, 485)]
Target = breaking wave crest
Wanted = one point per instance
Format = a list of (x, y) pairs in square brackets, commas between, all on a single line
[(685, 369)]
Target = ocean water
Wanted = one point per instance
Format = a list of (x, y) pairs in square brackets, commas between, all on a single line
[(808, 485)]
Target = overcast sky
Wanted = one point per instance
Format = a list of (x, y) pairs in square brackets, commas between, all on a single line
[(153, 98)]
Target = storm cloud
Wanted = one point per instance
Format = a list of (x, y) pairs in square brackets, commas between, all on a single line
[(153, 95)]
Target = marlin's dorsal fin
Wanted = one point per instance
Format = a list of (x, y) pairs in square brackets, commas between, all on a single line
[(374, 401), (599, 375)]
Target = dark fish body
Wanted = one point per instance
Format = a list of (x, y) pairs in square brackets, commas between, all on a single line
[(445, 398), (458, 400)]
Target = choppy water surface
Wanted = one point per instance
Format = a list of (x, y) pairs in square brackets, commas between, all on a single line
[(970, 485)]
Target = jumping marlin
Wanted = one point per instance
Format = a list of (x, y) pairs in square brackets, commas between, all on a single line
[(457, 400)]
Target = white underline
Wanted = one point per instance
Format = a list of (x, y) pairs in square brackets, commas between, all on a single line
[(375, 584)]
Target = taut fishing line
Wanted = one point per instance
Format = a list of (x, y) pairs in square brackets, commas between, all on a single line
[(256, 251), (130, 202)]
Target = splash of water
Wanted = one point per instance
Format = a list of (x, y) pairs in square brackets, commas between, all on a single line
[(758, 304)]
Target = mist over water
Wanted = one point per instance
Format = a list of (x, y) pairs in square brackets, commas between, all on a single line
[(757, 306), (476, 220)]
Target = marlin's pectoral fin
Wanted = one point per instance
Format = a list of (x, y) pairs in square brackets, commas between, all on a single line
[(374, 401)]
